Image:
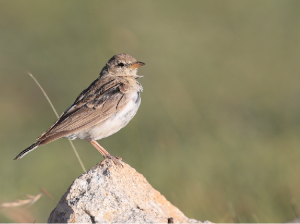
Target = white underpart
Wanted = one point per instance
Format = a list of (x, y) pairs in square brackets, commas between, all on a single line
[(113, 124)]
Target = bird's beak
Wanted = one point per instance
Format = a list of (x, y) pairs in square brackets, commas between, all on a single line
[(137, 64)]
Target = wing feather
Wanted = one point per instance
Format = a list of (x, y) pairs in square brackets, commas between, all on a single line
[(89, 109)]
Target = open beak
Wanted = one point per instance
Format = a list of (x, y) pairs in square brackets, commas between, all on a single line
[(137, 64)]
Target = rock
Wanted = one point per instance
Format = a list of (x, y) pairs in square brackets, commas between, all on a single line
[(108, 193)]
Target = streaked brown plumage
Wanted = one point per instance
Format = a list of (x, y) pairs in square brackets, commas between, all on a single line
[(102, 109)]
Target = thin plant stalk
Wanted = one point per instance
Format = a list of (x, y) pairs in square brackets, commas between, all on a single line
[(255, 218), (49, 101)]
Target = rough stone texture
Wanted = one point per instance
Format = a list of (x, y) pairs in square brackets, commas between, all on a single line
[(108, 193)]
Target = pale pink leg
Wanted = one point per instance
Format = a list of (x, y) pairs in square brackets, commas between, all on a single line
[(106, 154)]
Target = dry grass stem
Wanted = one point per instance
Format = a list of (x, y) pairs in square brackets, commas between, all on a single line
[(49, 101), (47, 193), (32, 199)]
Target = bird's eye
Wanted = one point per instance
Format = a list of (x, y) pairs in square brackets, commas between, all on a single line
[(120, 64)]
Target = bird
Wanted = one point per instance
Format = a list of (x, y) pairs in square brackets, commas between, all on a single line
[(100, 110)]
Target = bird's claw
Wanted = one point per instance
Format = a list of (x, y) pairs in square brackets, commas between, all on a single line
[(116, 159)]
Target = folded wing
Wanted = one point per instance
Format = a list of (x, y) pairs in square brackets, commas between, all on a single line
[(89, 109)]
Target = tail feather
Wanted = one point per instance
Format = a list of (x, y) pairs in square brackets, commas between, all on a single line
[(29, 149)]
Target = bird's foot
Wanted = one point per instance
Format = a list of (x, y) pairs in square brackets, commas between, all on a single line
[(116, 159)]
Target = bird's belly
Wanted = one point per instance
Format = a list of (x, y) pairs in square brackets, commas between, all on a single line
[(112, 124)]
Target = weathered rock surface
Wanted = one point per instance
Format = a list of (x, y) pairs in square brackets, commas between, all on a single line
[(108, 193)]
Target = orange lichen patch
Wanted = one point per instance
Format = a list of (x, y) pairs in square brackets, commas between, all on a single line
[(73, 218), (108, 216)]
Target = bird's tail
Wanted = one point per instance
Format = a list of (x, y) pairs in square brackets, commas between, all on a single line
[(29, 149)]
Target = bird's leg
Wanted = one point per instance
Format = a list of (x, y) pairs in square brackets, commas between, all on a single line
[(106, 154), (100, 149)]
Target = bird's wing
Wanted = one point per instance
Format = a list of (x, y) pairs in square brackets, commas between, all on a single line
[(90, 108)]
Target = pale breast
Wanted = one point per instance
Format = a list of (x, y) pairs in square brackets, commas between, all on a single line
[(114, 123)]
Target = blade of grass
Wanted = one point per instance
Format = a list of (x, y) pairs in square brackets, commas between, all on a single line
[(49, 101), (294, 208), (234, 216), (255, 218)]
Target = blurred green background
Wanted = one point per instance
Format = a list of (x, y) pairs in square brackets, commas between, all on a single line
[(218, 129)]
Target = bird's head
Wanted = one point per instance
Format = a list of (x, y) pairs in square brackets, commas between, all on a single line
[(123, 65)]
